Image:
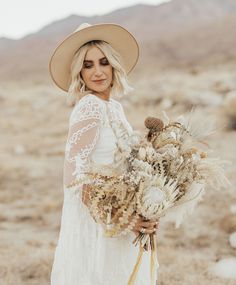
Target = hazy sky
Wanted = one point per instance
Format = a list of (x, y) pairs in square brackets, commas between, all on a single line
[(21, 17)]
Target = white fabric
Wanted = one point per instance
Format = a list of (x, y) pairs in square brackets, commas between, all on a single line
[(83, 256)]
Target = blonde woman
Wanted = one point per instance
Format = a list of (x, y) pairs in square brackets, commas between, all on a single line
[(92, 65)]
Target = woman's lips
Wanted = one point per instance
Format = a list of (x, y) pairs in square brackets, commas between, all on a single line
[(99, 81)]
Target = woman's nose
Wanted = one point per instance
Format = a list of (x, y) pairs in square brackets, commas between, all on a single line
[(98, 70)]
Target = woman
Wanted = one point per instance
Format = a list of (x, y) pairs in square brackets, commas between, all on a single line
[(92, 65)]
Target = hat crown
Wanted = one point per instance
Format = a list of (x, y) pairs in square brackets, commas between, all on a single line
[(82, 26)]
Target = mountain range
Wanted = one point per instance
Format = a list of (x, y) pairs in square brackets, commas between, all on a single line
[(179, 33)]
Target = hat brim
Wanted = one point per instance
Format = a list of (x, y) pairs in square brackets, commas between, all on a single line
[(118, 37)]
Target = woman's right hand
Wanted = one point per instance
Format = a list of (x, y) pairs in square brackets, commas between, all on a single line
[(149, 226)]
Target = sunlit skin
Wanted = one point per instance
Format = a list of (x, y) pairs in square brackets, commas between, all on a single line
[(96, 67)]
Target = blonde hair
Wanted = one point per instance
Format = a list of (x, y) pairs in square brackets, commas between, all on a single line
[(120, 85)]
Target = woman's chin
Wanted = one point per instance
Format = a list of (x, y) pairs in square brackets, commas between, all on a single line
[(100, 88)]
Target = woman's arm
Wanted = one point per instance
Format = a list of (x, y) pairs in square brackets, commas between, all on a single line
[(84, 130)]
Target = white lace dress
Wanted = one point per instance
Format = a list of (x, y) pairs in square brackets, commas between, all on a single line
[(83, 255)]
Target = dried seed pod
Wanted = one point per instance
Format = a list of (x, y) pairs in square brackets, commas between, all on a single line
[(203, 154), (154, 124)]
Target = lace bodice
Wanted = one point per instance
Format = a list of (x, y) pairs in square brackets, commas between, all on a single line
[(93, 122)]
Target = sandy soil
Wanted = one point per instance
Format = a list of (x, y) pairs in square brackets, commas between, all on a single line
[(34, 119)]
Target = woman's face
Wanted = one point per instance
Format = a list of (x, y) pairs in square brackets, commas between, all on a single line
[(96, 71)]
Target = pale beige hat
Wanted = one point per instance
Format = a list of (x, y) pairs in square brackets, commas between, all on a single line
[(118, 37)]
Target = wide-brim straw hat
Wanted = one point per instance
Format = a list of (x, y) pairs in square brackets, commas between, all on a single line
[(117, 36)]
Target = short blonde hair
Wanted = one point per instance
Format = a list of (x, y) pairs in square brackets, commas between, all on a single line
[(120, 85)]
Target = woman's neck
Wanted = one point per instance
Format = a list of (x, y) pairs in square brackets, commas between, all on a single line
[(103, 95)]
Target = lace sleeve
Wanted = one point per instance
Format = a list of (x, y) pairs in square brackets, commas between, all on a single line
[(83, 135)]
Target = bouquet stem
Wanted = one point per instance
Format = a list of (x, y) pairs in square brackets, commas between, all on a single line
[(150, 244), (146, 241)]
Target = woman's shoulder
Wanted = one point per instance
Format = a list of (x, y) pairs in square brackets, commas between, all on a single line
[(87, 107), (88, 99), (87, 103), (93, 98), (92, 101)]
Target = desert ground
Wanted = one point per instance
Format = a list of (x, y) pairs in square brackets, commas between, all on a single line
[(34, 124)]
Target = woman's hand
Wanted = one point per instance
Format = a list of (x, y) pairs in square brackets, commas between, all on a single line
[(145, 226), (149, 226)]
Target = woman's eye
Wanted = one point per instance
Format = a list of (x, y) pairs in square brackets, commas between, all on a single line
[(105, 62), (87, 65)]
